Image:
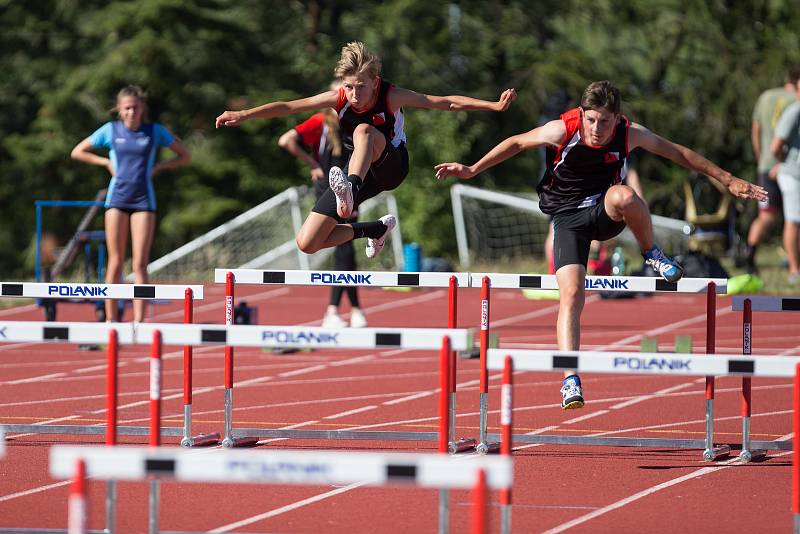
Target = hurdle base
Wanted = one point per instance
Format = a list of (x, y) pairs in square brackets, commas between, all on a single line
[(462, 445), (717, 452), (753, 455), (231, 443), (472, 354), (490, 447), (203, 440)]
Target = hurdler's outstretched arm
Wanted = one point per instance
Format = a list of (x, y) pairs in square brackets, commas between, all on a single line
[(550, 134), (406, 98), (639, 136), (278, 109)]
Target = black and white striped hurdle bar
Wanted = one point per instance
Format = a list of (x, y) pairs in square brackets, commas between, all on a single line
[(645, 363), (236, 335), (768, 304), (98, 291), (342, 278), (280, 467), (602, 283)]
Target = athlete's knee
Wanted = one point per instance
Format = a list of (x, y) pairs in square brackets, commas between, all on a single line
[(365, 130), (623, 197), (306, 244), (571, 295)]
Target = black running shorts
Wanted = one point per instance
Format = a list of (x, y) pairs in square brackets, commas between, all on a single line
[(775, 200), (575, 230), (384, 175)]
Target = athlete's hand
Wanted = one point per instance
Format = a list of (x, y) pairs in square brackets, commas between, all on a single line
[(230, 118), (443, 170), (505, 100), (741, 189), (773, 172), (317, 174)]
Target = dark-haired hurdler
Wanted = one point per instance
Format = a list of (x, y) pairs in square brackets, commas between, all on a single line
[(584, 190)]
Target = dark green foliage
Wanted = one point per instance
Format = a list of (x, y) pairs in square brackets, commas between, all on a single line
[(688, 69)]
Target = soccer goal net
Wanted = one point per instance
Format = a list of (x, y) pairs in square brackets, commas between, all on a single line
[(493, 226), (264, 238)]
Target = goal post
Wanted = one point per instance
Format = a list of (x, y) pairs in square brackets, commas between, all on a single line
[(263, 237), (506, 226)]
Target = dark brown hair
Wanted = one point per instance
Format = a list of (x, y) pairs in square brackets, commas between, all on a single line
[(602, 94)]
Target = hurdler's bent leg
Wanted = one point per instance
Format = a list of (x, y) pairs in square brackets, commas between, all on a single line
[(621, 203)]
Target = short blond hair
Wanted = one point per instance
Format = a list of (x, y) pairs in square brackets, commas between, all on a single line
[(357, 58)]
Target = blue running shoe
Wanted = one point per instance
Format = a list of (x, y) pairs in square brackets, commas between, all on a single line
[(571, 393), (668, 268)]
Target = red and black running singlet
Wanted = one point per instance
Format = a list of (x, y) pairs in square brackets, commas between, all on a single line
[(577, 173), (380, 116)]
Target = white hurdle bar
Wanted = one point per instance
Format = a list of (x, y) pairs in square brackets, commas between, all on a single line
[(234, 335), (601, 283), (342, 278), (747, 305), (59, 290), (383, 279), (674, 364), (486, 281), (442, 339), (286, 467)]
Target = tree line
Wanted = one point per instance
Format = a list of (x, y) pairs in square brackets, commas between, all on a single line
[(688, 69)]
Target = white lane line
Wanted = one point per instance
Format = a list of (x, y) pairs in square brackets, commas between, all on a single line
[(303, 371), (644, 493), (32, 491), (33, 379), (585, 417), (350, 412), (653, 396), (407, 398), (287, 508)]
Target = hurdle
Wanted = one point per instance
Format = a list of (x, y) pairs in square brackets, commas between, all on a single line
[(752, 449), (284, 467), (187, 293), (710, 286), (452, 281), (637, 363)]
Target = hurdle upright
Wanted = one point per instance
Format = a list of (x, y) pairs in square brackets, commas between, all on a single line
[(710, 286), (747, 305), (380, 279)]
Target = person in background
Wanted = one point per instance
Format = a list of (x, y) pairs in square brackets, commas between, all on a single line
[(785, 147), (767, 111), (318, 143), (133, 144)]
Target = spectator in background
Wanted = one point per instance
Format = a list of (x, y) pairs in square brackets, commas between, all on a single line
[(318, 143), (768, 109), (785, 147), (133, 144)]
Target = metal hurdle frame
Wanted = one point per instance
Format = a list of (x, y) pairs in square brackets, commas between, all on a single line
[(231, 277), (625, 363), (277, 467), (57, 290), (710, 286), (753, 449), (234, 335)]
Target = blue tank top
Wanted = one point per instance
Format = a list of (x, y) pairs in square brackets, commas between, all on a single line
[(132, 155)]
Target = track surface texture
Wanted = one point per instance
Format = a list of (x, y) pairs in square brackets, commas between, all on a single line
[(556, 488)]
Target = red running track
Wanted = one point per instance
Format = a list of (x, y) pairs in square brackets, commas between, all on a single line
[(557, 488)]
